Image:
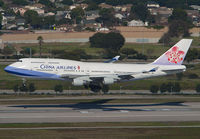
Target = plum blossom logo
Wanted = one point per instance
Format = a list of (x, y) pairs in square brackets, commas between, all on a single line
[(175, 55)]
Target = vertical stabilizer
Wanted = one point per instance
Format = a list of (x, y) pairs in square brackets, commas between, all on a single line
[(175, 55)]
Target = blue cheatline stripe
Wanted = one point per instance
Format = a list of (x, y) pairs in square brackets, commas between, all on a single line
[(29, 73)]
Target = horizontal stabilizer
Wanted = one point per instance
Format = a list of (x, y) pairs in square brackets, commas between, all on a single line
[(116, 58)]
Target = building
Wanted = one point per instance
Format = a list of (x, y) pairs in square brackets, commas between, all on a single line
[(119, 16), (20, 22), (91, 15), (10, 26), (161, 14), (152, 4), (20, 10), (39, 11), (103, 5), (195, 7), (194, 16), (136, 23)]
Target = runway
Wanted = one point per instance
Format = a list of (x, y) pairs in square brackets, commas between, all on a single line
[(100, 112)]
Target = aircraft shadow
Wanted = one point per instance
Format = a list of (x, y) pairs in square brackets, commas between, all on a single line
[(99, 104)]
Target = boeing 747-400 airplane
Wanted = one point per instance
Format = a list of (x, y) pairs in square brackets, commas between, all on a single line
[(97, 75)]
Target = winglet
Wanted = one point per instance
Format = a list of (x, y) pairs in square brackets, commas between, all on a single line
[(116, 58), (175, 55)]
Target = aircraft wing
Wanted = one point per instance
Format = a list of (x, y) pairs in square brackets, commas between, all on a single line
[(100, 77)]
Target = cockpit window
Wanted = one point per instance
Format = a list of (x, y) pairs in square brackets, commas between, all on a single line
[(19, 60)]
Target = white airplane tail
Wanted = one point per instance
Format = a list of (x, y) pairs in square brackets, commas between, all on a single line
[(175, 55)]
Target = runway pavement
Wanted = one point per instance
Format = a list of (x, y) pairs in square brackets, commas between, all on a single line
[(100, 112)]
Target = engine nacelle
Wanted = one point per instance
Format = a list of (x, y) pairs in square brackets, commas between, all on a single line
[(78, 82), (108, 81)]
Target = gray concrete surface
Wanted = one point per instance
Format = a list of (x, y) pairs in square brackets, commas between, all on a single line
[(53, 113), (98, 127), (81, 92)]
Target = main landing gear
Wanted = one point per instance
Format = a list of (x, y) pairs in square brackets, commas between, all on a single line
[(97, 88)]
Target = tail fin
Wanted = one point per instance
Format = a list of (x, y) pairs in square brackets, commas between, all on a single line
[(175, 55)]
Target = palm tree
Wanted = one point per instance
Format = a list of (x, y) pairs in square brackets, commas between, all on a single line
[(40, 41)]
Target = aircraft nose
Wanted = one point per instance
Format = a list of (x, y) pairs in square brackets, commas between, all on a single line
[(8, 69)]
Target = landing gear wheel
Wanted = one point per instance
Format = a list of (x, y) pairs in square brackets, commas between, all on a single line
[(86, 86), (105, 88), (95, 88)]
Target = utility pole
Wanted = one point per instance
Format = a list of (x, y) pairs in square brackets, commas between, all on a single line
[(30, 52)]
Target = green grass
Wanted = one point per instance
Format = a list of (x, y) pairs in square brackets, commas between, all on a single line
[(195, 42), (46, 48), (156, 49), (102, 133), (98, 124), (150, 133), (153, 50), (148, 49)]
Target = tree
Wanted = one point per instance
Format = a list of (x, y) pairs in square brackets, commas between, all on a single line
[(177, 87), (8, 50), (58, 88), (31, 87), (179, 76), (174, 3), (49, 22), (97, 40), (198, 88), (111, 42), (48, 3), (179, 28), (169, 87), (40, 41), (67, 2), (31, 17), (77, 14), (140, 11), (128, 51), (92, 6), (16, 88), (178, 14), (114, 41), (192, 54), (26, 51), (165, 39), (150, 51), (1, 18), (179, 23), (154, 89), (106, 17), (1, 3), (163, 88), (20, 2), (76, 54)]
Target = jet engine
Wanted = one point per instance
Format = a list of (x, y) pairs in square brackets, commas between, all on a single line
[(78, 82), (108, 80)]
